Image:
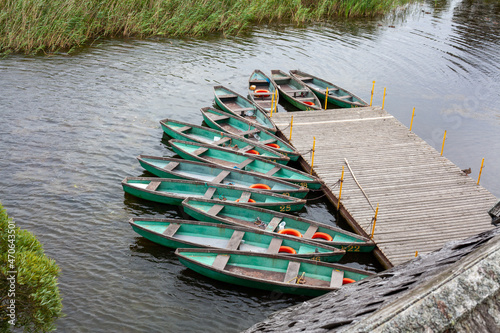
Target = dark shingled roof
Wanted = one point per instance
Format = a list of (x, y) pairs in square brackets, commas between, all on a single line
[(338, 310)]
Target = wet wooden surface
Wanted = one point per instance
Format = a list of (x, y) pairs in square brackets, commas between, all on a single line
[(424, 199)]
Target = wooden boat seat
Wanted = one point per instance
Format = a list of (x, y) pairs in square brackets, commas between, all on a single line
[(245, 163), (152, 186), (170, 166), (221, 261), (304, 78), (242, 109), (245, 149), (274, 223), (252, 131), (235, 240), (336, 280), (220, 177), (222, 141), (344, 97), (273, 171), (310, 231), (227, 96), (256, 81), (215, 209), (305, 99), (171, 229), (292, 272), (200, 151), (183, 129), (331, 90), (274, 246), (267, 141), (245, 196), (209, 193), (218, 118)]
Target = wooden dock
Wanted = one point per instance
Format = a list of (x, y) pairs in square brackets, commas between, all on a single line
[(424, 199)]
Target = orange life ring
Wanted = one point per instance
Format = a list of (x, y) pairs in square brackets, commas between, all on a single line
[(261, 186), (249, 200), (253, 151), (308, 103), (347, 280), (272, 145), (322, 235), (262, 91), (287, 249), (291, 232)]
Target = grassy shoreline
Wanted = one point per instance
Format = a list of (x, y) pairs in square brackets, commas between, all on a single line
[(32, 26)]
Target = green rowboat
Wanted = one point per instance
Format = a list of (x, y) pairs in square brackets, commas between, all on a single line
[(195, 151), (234, 103), (261, 90), (295, 92), (257, 218), (337, 97), (188, 132), (168, 167), (175, 233), (174, 191), (270, 271), (219, 120)]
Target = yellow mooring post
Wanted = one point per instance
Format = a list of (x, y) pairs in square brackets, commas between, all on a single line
[(444, 139), (340, 190), (412, 115), (480, 171), (373, 88), (276, 101), (326, 97), (312, 157), (272, 105), (291, 127), (416, 254), (383, 100), (374, 221)]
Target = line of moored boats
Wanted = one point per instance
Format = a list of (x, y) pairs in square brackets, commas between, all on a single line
[(233, 179)]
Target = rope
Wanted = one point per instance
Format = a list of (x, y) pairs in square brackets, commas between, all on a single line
[(352, 173)]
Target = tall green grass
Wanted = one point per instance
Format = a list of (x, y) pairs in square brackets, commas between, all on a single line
[(32, 26)]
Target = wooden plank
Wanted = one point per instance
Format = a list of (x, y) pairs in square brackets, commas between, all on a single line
[(274, 246), (220, 261), (274, 223), (209, 193), (273, 171), (227, 96), (199, 151), (245, 196), (235, 240), (153, 185), (245, 163), (183, 129), (216, 118), (220, 177), (170, 166), (337, 279), (171, 229), (292, 272), (310, 231), (215, 209)]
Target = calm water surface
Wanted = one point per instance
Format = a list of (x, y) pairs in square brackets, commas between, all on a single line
[(72, 126)]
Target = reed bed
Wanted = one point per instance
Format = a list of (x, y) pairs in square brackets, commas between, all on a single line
[(32, 26)]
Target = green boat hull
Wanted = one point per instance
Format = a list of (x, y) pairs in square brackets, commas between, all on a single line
[(167, 167), (189, 151), (194, 234), (220, 121), (173, 192), (262, 219), (268, 272)]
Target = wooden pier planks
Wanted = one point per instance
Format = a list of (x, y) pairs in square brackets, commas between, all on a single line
[(424, 199)]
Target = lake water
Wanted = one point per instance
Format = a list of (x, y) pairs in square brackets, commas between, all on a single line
[(72, 125)]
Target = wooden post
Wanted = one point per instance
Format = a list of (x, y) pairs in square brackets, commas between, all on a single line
[(374, 221), (312, 158), (444, 139), (383, 99), (326, 97), (291, 127), (276, 101), (340, 190), (480, 171), (373, 88), (412, 115), (272, 106)]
